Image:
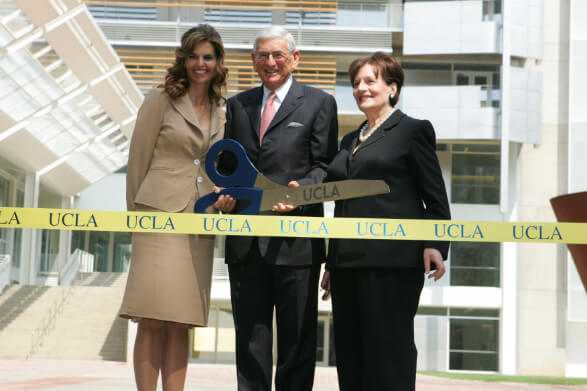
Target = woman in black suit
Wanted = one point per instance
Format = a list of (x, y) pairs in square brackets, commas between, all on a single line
[(376, 284)]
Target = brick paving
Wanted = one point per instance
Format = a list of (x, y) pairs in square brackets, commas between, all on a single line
[(77, 375)]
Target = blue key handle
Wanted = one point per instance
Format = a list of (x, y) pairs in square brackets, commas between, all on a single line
[(245, 172), (248, 200)]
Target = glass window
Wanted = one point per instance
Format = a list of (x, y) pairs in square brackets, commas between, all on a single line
[(49, 249), (4, 191), (462, 80), (373, 13), (432, 311), (475, 174), (474, 344), (122, 250), (474, 312), (4, 201), (17, 247), (112, 11), (99, 248), (491, 9), (17, 244), (320, 341), (474, 264), (78, 239), (473, 361), (234, 16)]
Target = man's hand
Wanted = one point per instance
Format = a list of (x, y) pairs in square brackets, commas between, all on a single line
[(224, 203), (325, 285), (433, 257), (283, 207)]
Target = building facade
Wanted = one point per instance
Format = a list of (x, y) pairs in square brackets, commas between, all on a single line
[(67, 109), (499, 80)]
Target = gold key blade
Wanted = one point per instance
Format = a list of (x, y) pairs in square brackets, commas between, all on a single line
[(330, 191)]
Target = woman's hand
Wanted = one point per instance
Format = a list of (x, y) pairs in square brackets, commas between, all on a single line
[(325, 285), (433, 257), (282, 207), (224, 203)]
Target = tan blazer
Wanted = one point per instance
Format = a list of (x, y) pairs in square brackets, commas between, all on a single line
[(167, 153)]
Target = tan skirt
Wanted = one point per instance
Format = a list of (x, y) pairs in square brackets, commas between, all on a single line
[(170, 277)]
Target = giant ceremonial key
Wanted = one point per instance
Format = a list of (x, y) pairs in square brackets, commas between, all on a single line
[(256, 193)]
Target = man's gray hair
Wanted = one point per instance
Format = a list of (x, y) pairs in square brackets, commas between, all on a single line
[(272, 32)]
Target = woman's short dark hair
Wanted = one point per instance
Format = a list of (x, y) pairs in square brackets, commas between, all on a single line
[(390, 69), (176, 80)]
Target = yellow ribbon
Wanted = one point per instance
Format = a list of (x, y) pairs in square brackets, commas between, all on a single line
[(294, 226)]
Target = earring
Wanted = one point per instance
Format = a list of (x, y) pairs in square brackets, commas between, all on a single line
[(391, 96)]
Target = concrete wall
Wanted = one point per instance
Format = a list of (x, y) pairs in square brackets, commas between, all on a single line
[(448, 27), (526, 100), (455, 111), (109, 193), (577, 176), (542, 269), (527, 27)]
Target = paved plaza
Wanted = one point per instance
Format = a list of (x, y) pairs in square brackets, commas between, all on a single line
[(66, 375)]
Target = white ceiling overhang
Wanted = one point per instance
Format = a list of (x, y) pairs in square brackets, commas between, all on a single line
[(67, 103)]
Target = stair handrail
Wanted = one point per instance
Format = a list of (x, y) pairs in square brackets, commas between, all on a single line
[(47, 324), (76, 262)]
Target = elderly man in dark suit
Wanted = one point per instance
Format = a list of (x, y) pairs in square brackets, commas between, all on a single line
[(290, 132)]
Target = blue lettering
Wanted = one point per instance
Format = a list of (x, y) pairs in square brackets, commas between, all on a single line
[(225, 224)]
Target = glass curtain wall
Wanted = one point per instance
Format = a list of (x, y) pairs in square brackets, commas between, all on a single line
[(474, 339), (49, 247), (111, 250), (17, 240), (49, 250), (11, 194), (475, 264), (475, 174), (4, 201), (122, 251)]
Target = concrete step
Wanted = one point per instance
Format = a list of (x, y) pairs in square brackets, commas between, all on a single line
[(103, 279), (89, 327), (86, 325)]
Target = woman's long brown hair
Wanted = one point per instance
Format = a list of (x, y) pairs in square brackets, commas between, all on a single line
[(177, 82)]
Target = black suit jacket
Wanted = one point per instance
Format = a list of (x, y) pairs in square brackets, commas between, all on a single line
[(402, 152), (298, 145)]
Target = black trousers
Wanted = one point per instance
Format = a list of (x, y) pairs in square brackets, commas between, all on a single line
[(373, 312), (256, 290)]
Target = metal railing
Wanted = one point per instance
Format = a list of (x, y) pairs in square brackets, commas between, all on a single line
[(79, 261), (47, 324)]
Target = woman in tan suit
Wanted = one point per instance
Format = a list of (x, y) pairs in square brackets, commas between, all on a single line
[(168, 288)]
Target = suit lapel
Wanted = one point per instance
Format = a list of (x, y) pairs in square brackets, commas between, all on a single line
[(292, 100), (383, 130), (183, 105), (253, 108), (217, 120)]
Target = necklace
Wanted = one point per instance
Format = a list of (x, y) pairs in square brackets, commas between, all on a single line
[(365, 131)]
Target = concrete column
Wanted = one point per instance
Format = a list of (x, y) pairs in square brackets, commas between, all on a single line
[(29, 250), (508, 320), (541, 278), (576, 11), (64, 238)]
